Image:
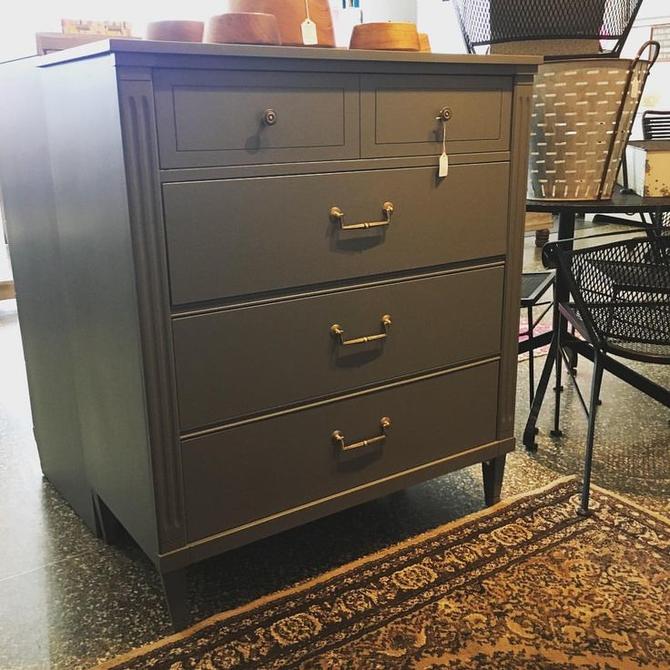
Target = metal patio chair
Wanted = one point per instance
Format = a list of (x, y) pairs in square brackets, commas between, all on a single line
[(552, 28), (621, 308)]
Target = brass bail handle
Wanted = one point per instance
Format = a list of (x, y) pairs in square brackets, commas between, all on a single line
[(338, 437), (338, 332), (337, 215)]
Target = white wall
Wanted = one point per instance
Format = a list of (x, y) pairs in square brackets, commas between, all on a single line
[(438, 19), (657, 90), (389, 10)]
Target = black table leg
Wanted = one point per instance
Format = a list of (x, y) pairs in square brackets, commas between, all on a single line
[(531, 356), (566, 230)]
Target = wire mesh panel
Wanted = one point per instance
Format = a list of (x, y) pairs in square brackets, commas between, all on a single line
[(583, 113), (622, 293), (489, 22)]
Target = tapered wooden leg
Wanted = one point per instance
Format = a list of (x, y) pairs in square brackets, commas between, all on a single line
[(493, 472), (175, 588), (107, 527)]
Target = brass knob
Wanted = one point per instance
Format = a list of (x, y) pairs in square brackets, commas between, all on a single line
[(445, 114), (269, 117)]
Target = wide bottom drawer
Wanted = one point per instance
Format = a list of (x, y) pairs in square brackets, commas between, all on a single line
[(251, 471)]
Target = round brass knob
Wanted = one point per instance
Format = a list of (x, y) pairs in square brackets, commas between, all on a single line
[(445, 114), (269, 117)]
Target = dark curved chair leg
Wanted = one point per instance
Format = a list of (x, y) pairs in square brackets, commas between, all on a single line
[(556, 432), (593, 410), (529, 432)]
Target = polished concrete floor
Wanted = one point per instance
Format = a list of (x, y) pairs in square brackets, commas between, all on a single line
[(68, 601)]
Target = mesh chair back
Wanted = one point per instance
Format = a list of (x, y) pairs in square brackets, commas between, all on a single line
[(622, 293), (492, 22)]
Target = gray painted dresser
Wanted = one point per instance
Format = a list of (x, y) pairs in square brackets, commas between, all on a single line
[(247, 299)]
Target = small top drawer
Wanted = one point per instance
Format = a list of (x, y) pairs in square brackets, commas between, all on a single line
[(216, 118), (399, 114)]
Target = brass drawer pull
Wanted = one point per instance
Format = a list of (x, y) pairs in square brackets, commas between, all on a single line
[(338, 215), (338, 332), (338, 437)]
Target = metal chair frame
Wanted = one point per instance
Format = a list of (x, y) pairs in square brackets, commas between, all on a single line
[(529, 303), (595, 344)]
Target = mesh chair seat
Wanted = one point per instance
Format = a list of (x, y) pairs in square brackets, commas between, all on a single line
[(534, 285), (640, 351)]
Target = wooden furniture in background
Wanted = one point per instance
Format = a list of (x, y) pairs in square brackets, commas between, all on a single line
[(91, 27), (49, 42), (251, 301), (7, 291)]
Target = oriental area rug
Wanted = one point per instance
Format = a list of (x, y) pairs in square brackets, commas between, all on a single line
[(525, 584)]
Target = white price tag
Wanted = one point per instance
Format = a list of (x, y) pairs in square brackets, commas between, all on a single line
[(309, 35), (444, 165), (444, 158)]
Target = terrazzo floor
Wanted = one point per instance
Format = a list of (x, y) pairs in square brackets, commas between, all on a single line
[(68, 601)]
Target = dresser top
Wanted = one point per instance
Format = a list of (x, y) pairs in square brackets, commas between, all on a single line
[(145, 48)]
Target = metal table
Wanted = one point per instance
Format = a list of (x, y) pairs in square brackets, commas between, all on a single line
[(567, 212)]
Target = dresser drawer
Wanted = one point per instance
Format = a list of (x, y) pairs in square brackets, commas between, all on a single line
[(219, 118), (286, 353), (398, 115), (294, 459), (247, 236)]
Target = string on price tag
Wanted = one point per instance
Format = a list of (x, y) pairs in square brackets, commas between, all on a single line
[(308, 27), (444, 158)]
